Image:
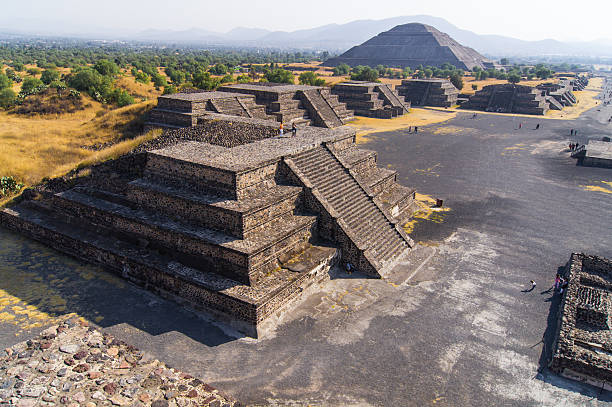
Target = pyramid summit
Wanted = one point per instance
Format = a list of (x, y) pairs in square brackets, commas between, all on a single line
[(411, 45)]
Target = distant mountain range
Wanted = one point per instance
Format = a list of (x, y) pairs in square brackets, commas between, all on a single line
[(340, 37)]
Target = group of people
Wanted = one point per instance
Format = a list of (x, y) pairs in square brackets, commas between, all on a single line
[(293, 129), (560, 284), (416, 129), (573, 146)]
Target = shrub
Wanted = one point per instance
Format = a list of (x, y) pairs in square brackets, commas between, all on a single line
[(106, 67), (227, 78), (33, 71), (142, 77), (169, 89), (5, 81), (364, 73), (514, 77), (203, 80), (279, 75), (310, 78), (457, 80), (219, 69), (474, 87), (158, 80), (91, 81), (7, 98), (30, 84), (49, 75), (8, 185), (243, 79), (342, 69), (120, 97)]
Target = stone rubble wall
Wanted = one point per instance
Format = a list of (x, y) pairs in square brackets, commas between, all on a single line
[(77, 365)]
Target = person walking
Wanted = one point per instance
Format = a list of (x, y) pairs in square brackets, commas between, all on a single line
[(409, 129), (280, 130), (537, 126), (520, 126), (416, 129), (557, 281), (293, 130)]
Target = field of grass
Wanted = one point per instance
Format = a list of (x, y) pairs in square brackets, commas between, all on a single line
[(37, 147)]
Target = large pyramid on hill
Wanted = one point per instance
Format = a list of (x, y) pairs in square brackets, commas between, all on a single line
[(412, 45)]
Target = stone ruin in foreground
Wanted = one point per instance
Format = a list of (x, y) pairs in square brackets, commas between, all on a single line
[(226, 218), (583, 346)]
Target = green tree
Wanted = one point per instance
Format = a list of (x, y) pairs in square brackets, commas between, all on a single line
[(311, 78), (364, 73), (49, 75), (91, 81), (227, 78), (474, 87), (219, 69), (457, 80), (203, 80), (106, 67), (428, 73), (29, 84), (7, 98), (504, 61), (342, 69), (33, 71), (142, 77), (279, 75), (120, 97), (5, 81), (158, 80), (169, 89), (514, 77)]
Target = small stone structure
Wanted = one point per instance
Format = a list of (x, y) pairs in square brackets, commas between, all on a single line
[(371, 99), (184, 109), (428, 92), (238, 225), (558, 95), (509, 98), (583, 345), (300, 104), (76, 365), (594, 154), (411, 45)]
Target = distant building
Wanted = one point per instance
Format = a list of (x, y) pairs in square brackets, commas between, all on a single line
[(411, 45)]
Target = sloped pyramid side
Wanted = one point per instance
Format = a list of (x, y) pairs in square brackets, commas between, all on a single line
[(411, 45)]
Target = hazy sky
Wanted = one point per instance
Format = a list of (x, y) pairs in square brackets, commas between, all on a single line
[(525, 19)]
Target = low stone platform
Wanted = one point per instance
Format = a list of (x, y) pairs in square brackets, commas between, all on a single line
[(371, 99), (583, 346), (509, 98), (594, 154), (76, 365), (300, 104), (428, 92), (238, 231)]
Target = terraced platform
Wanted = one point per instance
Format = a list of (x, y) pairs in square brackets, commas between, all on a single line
[(236, 231)]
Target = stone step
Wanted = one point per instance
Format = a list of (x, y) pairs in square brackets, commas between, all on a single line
[(240, 218), (379, 179), (239, 259), (241, 306)]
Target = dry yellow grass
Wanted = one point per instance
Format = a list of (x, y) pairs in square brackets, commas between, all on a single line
[(37, 147), (417, 117), (137, 89)]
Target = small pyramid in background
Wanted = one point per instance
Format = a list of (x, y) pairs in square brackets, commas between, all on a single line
[(411, 45)]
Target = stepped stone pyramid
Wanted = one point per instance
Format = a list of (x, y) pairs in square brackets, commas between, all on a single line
[(236, 225), (184, 109), (509, 98), (300, 104), (411, 45), (371, 99), (428, 92)]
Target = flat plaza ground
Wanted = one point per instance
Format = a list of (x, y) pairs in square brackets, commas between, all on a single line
[(449, 326)]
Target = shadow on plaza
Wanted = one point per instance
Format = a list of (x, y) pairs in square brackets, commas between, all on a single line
[(544, 373), (56, 284)]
